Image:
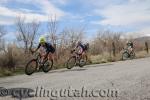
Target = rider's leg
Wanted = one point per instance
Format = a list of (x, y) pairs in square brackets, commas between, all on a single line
[(45, 57), (83, 54), (42, 56), (130, 49), (51, 56)]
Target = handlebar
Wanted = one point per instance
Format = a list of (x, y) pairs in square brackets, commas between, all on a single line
[(72, 51)]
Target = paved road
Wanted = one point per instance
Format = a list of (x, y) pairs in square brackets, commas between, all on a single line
[(128, 80)]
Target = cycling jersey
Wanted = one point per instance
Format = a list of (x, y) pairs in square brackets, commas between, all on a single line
[(48, 47), (81, 45)]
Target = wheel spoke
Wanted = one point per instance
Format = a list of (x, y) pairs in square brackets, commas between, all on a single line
[(31, 67), (71, 62), (47, 66)]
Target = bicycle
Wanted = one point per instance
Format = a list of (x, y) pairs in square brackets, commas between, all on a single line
[(37, 63), (128, 55), (76, 60)]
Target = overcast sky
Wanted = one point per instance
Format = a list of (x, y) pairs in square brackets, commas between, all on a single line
[(128, 16)]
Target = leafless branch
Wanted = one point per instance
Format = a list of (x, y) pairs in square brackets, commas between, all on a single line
[(26, 32)]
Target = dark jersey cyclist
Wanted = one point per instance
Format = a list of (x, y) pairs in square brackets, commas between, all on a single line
[(47, 46), (130, 46), (81, 48)]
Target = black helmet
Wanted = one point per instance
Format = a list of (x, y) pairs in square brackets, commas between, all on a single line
[(79, 42), (87, 44)]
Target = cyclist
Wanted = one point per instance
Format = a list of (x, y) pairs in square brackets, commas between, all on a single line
[(130, 46), (47, 46), (81, 48), (86, 46)]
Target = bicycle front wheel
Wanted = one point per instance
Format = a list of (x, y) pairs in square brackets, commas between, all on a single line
[(71, 62), (125, 56), (31, 67)]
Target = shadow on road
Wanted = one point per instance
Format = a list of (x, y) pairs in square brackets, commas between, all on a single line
[(18, 93), (79, 69), (99, 65), (67, 70)]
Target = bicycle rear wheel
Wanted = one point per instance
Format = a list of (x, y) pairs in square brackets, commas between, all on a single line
[(31, 67), (47, 66), (71, 62), (83, 61), (132, 55)]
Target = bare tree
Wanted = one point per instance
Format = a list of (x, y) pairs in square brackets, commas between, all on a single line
[(73, 35), (3, 32), (52, 29), (67, 39), (118, 41), (107, 41), (26, 32), (34, 31)]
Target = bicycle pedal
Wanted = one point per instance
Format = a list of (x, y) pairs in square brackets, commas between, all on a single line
[(76, 64), (38, 68)]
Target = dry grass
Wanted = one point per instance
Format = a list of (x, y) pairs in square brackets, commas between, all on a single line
[(97, 59), (5, 72), (60, 63), (142, 54), (100, 58)]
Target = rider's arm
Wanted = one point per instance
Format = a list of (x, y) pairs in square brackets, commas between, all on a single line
[(37, 48), (132, 45), (76, 47)]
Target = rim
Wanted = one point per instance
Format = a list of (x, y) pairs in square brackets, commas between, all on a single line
[(71, 62), (125, 56), (83, 61), (47, 66), (132, 55), (31, 67)]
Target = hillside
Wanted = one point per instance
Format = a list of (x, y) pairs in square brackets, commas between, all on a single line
[(143, 39)]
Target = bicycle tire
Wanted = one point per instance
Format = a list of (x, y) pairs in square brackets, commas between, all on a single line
[(73, 63), (28, 66), (132, 55), (85, 61), (45, 69), (125, 56)]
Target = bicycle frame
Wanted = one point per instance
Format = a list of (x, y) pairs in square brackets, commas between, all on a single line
[(77, 56), (45, 65), (39, 57)]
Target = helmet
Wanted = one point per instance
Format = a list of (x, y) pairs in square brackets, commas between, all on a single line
[(87, 44), (42, 40), (128, 42), (79, 42)]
